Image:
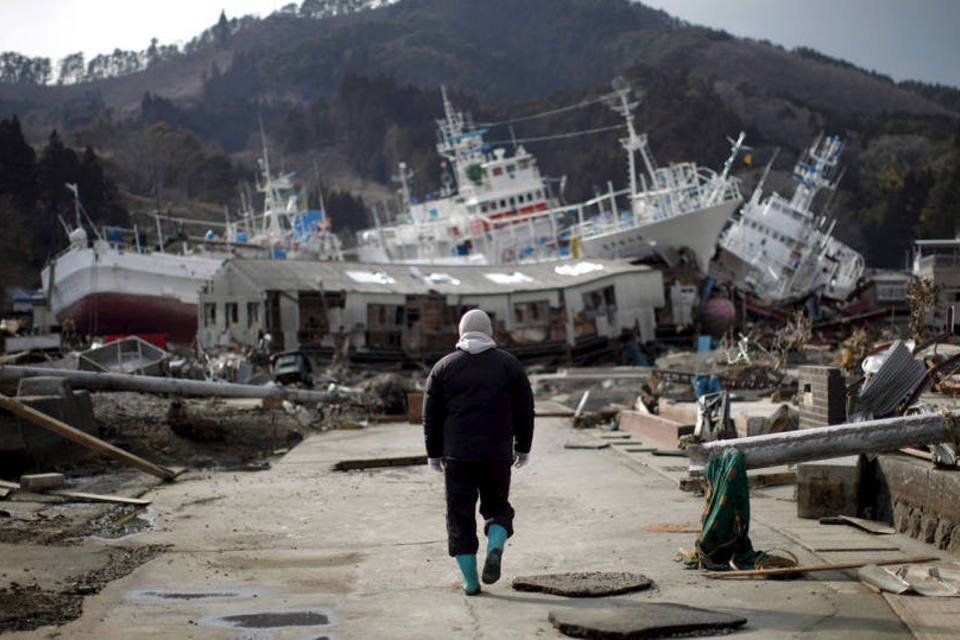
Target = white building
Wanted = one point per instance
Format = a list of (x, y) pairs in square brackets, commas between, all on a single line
[(392, 311)]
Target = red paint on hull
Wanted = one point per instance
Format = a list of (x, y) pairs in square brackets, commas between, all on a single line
[(104, 313)]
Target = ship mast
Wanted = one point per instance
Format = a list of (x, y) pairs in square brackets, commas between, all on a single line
[(633, 142), (814, 171)]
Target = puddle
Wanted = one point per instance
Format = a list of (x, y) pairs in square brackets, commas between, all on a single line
[(283, 618), (190, 595), (271, 620), (124, 522)]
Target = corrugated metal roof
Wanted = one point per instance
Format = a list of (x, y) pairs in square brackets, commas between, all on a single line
[(299, 275)]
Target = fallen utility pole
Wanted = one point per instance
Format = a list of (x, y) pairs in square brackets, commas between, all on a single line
[(94, 381), (819, 443), (82, 438), (782, 571)]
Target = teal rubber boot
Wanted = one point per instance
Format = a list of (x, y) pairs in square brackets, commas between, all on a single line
[(496, 539), (468, 567)]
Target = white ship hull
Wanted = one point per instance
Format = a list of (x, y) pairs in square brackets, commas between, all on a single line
[(104, 290), (695, 230)]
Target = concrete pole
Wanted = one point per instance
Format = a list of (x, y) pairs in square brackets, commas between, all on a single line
[(150, 384), (819, 443)]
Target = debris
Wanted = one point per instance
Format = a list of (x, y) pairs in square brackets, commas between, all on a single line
[(129, 355), (870, 526), (375, 463), (84, 439), (713, 417), (151, 384), (675, 453), (586, 445), (785, 418), (388, 392), (898, 374), (673, 527), (585, 584), (782, 571), (96, 497), (883, 579), (38, 482), (641, 620)]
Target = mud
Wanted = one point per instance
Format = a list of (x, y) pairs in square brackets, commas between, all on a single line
[(27, 606)]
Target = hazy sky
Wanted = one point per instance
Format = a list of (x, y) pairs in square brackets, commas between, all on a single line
[(905, 39), (917, 39)]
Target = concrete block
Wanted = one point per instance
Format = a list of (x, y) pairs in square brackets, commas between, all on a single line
[(44, 386), (829, 487), (652, 429), (42, 481)]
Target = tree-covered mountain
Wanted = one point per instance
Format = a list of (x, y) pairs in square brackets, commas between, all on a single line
[(347, 89)]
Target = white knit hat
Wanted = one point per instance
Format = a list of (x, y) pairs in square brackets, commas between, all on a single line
[(476, 320)]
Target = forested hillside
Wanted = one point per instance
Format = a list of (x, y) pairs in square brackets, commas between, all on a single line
[(347, 89)]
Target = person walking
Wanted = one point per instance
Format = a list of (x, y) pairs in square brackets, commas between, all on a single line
[(477, 424)]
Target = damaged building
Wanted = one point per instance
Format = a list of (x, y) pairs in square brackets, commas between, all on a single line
[(395, 312)]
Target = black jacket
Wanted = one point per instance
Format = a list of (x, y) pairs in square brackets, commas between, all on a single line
[(478, 407)]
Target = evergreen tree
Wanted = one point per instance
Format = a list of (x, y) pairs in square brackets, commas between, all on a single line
[(941, 216), (18, 166)]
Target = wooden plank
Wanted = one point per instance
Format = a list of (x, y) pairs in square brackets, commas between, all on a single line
[(870, 526), (6, 484), (782, 571), (554, 414), (586, 445), (97, 497), (84, 439), (375, 463)]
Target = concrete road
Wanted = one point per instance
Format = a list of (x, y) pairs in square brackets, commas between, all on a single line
[(363, 555)]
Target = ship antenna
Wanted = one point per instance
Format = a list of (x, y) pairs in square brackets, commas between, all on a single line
[(766, 171)]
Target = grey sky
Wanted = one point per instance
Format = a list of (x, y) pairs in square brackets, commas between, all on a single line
[(905, 39), (917, 39)]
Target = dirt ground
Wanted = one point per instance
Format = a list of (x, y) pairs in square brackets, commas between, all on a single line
[(189, 435)]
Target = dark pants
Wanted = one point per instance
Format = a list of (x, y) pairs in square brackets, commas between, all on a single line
[(465, 481)]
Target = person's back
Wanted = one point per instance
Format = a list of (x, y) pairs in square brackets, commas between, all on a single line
[(477, 422), (485, 404)]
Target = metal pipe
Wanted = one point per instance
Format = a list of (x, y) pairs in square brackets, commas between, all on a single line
[(94, 381), (819, 443)]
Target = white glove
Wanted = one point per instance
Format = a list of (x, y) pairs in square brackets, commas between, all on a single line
[(436, 464), (521, 460)]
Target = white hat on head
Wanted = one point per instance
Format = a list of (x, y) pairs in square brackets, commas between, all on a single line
[(476, 320)]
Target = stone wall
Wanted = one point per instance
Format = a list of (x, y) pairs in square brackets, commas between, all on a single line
[(919, 499)]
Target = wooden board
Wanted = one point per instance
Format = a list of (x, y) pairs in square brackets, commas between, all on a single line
[(97, 497), (375, 463), (870, 526)]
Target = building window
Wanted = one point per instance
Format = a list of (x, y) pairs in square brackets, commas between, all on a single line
[(231, 314), (210, 314), (253, 315)]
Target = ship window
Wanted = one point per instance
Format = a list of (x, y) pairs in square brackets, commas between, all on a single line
[(497, 171), (513, 201), (539, 193), (253, 315), (231, 314), (503, 204), (511, 168)]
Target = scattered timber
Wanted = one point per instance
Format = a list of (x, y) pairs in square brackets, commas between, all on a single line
[(93, 381), (81, 496), (82, 438), (819, 443), (783, 571), (375, 463)]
